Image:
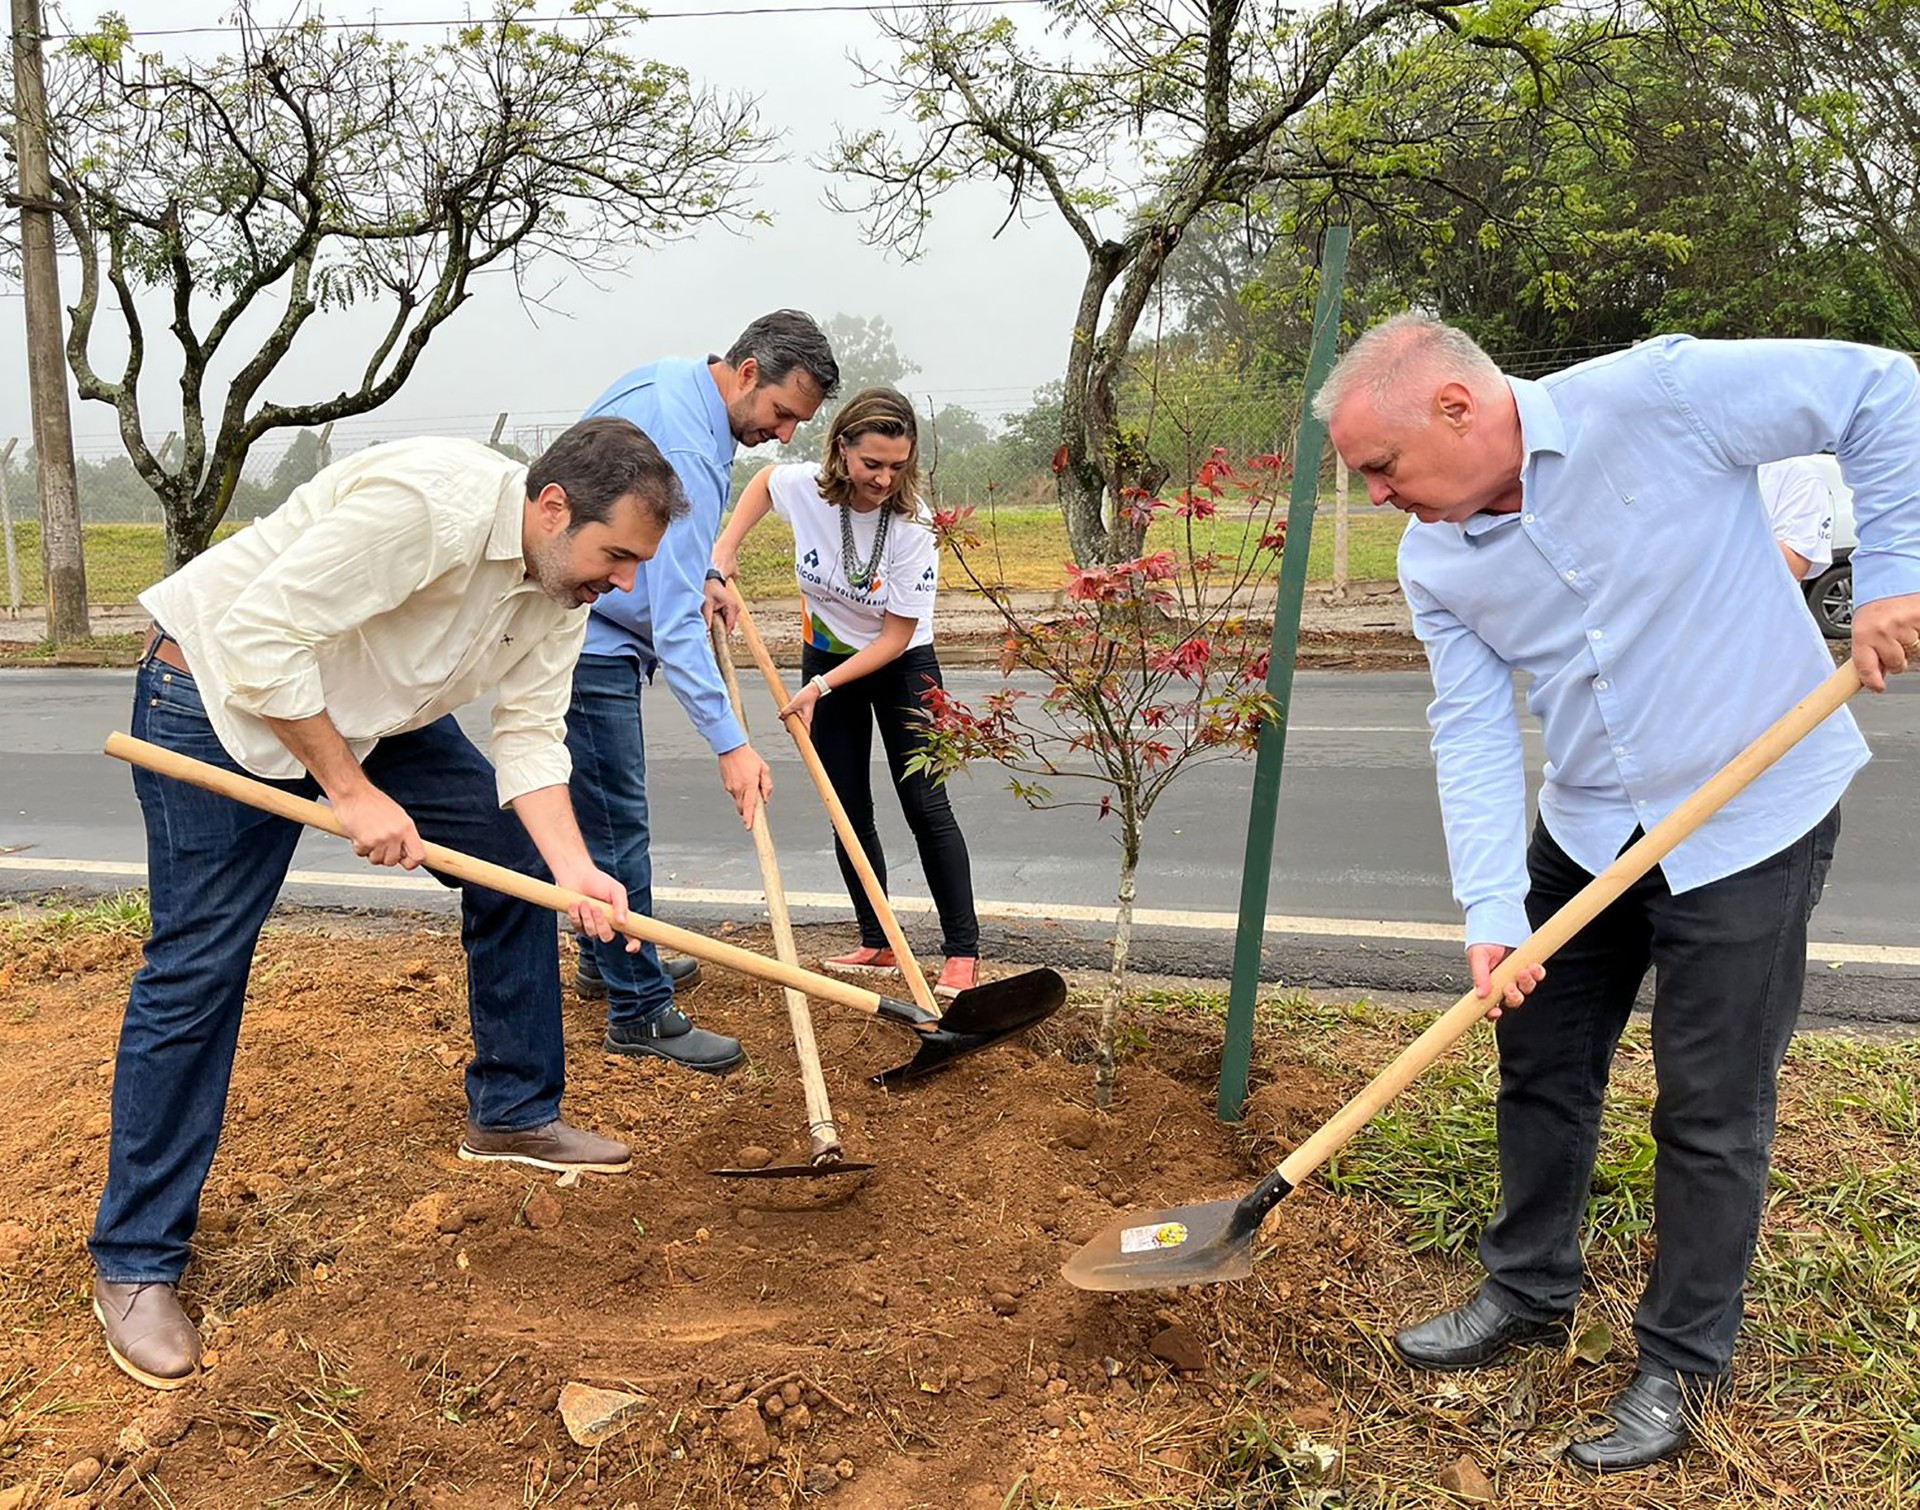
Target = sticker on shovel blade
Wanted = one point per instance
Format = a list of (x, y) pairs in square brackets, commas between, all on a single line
[(1147, 1239)]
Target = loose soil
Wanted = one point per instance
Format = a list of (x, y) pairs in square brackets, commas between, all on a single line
[(390, 1326)]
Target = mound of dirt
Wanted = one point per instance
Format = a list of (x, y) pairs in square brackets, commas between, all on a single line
[(388, 1325)]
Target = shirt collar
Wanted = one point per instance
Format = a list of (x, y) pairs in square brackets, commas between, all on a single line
[(504, 540), (724, 444), (1541, 428)]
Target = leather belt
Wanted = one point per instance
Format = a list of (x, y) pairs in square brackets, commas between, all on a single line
[(164, 649)]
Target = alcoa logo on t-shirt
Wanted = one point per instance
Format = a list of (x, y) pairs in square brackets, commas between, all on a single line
[(809, 570)]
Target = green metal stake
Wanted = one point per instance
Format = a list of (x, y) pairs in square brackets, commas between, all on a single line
[(1256, 868)]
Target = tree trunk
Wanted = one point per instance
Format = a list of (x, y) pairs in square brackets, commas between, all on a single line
[(1107, 1046), (61, 554)]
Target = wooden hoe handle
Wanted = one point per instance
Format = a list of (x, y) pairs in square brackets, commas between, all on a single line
[(842, 824), (499, 878)]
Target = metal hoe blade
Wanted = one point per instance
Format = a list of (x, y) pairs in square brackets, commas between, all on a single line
[(794, 1171), (1181, 1245)]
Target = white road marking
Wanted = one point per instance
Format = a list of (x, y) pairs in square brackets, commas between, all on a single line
[(1145, 917)]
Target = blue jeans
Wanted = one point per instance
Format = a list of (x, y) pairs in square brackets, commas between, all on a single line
[(610, 799), (214, 869)]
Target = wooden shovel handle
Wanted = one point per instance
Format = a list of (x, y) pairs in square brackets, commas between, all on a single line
[(822, 1129), (499, 878), (1586, 905), (842, 824)]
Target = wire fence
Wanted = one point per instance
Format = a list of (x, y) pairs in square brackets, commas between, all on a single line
[(979, 454)]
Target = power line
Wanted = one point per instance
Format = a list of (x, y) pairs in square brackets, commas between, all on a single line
[(653, 15)]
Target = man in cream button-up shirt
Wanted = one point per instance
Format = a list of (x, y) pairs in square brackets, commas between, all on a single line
[(325, 648)]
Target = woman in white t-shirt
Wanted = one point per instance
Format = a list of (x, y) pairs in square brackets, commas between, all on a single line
[(869, 568)]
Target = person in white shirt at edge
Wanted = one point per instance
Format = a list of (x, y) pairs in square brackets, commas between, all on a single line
[(1600, 532), (325, 649), (869, 572), (1800, 507)]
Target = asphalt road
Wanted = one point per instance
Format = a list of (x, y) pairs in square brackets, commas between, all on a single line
[(1359, 871)]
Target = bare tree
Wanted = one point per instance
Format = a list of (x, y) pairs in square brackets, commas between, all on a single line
[(1128, 123), (315, 167)]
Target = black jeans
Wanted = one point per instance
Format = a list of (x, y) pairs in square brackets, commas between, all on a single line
[(1729, 963), (893, 697)]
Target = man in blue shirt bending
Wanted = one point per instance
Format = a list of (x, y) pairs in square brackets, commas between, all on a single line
[(1601, 533), (771, 381)]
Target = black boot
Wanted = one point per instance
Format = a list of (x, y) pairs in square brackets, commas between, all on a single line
[(1475, 1335), (672, 1036), (1652, 1421)]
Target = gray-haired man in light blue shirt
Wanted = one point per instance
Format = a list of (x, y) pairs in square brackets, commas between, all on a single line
[(1601, 532)]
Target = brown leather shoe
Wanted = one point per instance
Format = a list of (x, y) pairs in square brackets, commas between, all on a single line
[(554, 1146), (148, 1334)]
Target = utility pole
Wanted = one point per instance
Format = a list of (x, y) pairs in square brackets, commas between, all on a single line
[(60, 541)]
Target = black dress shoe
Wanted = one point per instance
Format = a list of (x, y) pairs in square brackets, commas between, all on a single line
[(683, 970), (1651, 1423), (1476, 1334)]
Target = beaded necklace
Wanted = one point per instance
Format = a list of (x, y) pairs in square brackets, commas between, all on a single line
[(860, 574)]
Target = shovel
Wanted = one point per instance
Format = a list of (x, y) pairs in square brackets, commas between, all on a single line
[(975, 1020), (1203, 1245), (824, 1155), (842, 824)]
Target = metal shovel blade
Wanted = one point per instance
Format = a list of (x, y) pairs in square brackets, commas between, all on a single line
[(1181, 1245), (978, 1019), (1015, 1003)]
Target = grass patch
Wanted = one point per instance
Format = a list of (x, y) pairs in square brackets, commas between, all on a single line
[(123, 914)]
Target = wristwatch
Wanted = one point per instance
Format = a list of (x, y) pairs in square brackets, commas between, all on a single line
[(819, 684), (714, 574)]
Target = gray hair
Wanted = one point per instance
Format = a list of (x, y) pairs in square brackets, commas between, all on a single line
[(784, 340), (1399, 364)]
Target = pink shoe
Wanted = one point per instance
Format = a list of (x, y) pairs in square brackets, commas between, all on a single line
[(960, 973), (864, 961)]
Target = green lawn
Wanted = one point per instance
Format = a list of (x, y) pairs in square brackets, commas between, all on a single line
[(1024, 548)]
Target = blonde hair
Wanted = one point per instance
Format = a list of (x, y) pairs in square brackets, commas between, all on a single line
[(1400, 364), (873, 411)]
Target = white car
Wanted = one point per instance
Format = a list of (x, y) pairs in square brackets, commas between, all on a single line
[(1830, 592)]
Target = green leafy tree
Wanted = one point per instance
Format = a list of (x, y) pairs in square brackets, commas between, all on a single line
[(312, 168), (1128, 124)]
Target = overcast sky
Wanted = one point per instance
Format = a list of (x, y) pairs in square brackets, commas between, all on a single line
[(987, 320)]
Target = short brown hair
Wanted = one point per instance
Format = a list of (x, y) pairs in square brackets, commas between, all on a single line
[(599, 461), (873, 411)]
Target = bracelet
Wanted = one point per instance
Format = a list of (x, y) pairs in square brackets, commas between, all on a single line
[(714, 574), (819, 684)]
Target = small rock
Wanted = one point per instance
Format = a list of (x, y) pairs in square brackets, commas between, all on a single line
[(743, 1430), (98, 1125), (798, 1418), (1054, 1413), (1464, 1479), (450, 1220), (790, 1392), (1003, 1304), (991, 1385), (80, 1476), (592, 1415), (1179, 1346), (543, 1210), (733, 1393), (843, 1469), (820, 1479), (774, 1407), (753, 1156), (163, 1425)]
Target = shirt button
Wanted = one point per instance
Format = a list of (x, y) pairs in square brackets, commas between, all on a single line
[(1526, 519), (1594, 634), (1600, 686), (1619, 749), (1572, 576)]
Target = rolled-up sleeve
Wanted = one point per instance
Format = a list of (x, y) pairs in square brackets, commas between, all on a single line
[(528, 744), (1482, 774), (371, 553)]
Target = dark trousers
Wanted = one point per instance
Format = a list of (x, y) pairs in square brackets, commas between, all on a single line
[(1729, 962), (214, 868), (894, 697), (609, 786)]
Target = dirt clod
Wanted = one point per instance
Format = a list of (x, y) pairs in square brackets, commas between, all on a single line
[(543, 1210), (17, 1240), (81, 1476), (744, 1431), (1179, 1346), (753, 1156), (1075, 1126)]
